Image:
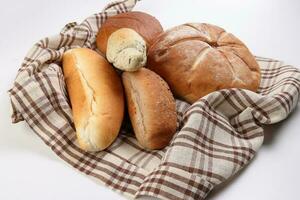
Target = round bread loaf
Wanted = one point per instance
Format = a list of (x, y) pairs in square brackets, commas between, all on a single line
[(96, 96), (196, 59), (151, 108), (144, 24)]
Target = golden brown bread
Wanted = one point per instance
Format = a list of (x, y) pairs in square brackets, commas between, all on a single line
[(196, 59), (144, 24), (96, 95), (151, 108)]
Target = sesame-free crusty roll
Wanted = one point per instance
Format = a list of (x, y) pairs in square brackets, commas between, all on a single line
[(144, 24), (96, 96)]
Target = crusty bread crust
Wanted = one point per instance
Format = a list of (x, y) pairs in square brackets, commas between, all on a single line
[(144, 24), (197, 59)]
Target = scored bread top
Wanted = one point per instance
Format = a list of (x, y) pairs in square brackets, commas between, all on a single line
[(196, 59)]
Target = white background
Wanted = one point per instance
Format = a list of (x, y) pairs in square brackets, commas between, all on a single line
[(30, 170)]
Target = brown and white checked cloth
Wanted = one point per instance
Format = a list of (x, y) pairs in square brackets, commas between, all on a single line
[(217, 136)]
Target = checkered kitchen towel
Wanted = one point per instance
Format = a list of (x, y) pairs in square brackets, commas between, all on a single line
[(217, 136)]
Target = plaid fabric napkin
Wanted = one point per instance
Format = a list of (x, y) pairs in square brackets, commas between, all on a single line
[(217, 136)]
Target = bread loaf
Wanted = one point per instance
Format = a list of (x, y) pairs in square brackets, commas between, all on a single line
[(151, 108), (197, 59), (96, 96), (144, 24), (126, 50)]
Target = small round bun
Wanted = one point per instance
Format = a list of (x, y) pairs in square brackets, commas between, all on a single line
[(197, 59), (144, 24), (151, 108), (126, 50)]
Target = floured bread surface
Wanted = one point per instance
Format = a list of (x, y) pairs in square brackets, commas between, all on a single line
[(151, 108), (126, 50), (96, 97), (196, 59)]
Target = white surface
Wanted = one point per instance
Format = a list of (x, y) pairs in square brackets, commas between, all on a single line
[(30, 170)]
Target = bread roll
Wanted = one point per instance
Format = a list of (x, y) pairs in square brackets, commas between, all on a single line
[(126, 50), (197, 59), (151, 108), (144, 24), (96, 95)]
